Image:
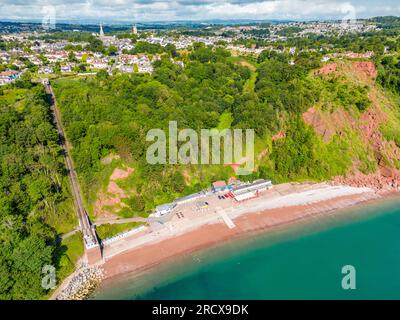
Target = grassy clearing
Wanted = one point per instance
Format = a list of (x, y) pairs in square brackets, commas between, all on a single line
[(250, 84), (245, 61), (67, 254)]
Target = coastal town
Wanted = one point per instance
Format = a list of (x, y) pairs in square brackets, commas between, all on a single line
[(21, 52)]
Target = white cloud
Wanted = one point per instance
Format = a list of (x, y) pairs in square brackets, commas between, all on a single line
[(147, 10), (280, 8)]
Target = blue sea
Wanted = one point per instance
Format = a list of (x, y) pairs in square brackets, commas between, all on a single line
[(297, 262)]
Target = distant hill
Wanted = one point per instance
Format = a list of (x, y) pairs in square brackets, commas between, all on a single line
[(387, 22), (9, 26)]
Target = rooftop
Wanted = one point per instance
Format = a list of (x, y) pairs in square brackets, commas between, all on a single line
[(166, 206), (219, 184)]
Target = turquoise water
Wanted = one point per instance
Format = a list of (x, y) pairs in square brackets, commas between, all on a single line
[(300, 262)]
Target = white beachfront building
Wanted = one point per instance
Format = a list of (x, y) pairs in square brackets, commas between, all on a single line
[(251, 190), (164, 209)]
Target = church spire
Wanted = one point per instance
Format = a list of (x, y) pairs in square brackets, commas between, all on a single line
[(101, 30)]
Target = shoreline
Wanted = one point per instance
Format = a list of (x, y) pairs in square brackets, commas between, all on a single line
[(300, 205), (136, 261)]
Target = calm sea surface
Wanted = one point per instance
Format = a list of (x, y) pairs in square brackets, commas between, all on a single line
[(298, 262)]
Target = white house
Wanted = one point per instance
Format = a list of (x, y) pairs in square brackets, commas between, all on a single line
[(125, 68), (98, 63), (46, 69), (164, 209)]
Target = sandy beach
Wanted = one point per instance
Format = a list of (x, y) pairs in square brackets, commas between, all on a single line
[(279, 211)]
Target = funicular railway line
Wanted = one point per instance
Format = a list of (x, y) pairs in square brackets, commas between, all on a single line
[(89, 234)]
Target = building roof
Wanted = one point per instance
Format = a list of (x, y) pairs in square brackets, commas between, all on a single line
[(8, 73), (166, 206), (252, 186), (219, 184), (190, 197)]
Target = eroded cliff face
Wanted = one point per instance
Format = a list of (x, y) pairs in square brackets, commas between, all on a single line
[(384, 153), (109, 201)]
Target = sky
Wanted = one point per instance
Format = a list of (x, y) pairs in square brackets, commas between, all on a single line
[(176, 10)]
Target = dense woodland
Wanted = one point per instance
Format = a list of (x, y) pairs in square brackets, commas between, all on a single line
[(195, 97), (35, 204)]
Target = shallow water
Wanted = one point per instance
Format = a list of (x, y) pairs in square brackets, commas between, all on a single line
[(297, 262)]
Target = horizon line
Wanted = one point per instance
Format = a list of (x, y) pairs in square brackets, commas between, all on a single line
[(92, 21)]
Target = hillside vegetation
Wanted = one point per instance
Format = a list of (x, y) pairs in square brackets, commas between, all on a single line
[(319, 113), (35, 202)]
